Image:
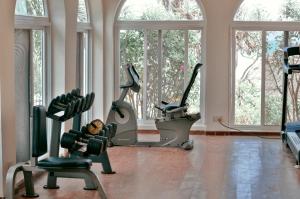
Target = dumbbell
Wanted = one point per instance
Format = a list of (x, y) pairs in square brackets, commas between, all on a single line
[(109, 130), (68, 110), (75, 94), (72, 142), (85, 136), (112, 130)]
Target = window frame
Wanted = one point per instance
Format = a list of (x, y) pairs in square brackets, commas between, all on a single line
[(262, 26), (32, 23), (160, 25), (82, 26), (86, 28)]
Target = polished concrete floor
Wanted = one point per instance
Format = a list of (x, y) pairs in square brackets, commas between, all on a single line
[(219, 167)]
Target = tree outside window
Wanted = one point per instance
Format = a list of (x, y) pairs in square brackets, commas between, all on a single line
[(258, 60), (164, 57)]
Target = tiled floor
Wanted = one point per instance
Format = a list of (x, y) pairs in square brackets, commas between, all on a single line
[(219, 167)]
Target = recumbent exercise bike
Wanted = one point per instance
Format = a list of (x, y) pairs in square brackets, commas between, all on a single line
[(174, 125)]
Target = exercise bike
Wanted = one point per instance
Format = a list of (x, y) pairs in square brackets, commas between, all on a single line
[(173, 126)]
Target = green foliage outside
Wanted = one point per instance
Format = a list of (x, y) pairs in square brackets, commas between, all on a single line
[(82, 12), (38, 69), (248, 90), (168, 82), (30, 8)]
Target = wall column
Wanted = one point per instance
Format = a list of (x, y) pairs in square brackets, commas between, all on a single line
[(7, 90)]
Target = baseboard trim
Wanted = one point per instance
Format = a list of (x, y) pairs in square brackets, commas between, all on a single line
[(221, 133)]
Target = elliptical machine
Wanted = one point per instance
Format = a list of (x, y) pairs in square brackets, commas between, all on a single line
[(174, 125)]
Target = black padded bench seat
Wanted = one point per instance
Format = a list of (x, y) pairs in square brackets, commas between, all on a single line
[(67, 163)]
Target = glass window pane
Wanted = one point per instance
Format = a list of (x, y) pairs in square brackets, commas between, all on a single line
[(173, 67), (152, 84), (132, 51), (273, 77), (194, 57), (268, 10), (248, 77), (30, 8), (161, 10), (82, 15), (38, 66), (85, 67)]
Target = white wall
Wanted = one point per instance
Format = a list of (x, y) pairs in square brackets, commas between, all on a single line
[(63, 16), (109, 10), (96, 13), (7, 90), (71, 44), (56, 10), (217, 96)]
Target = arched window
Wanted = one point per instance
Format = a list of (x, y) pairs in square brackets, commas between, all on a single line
[(164, 40), (261, 29), (82, 13), (30, 8), (32, 86), (84, 68)]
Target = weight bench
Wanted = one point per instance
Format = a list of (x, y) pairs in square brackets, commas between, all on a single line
[(54, 165)]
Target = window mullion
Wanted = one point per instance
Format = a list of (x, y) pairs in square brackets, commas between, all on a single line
[(233, 115), (145, 79), (31, 87), (263, 75), (30, 75), (186, 54), (44, 68), (160, 65), (286, 38)]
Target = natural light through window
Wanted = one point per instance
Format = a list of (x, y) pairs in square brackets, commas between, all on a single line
[(30, 8), (82, 15), (268, 10), (163, 53), (161, 10), (258, 59)]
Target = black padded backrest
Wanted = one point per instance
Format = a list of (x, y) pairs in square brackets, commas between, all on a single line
[(39, 132), (188, 88), (133, 78), (290, 51)]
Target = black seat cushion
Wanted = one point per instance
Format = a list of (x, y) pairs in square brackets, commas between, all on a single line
[(170, 107), (71, 163)]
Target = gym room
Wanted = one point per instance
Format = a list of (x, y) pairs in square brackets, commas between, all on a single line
[(140, 99)]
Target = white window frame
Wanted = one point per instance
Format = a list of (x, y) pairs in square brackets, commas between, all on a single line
[(39, 23), (262, 26), (86, 27), (161, 25)]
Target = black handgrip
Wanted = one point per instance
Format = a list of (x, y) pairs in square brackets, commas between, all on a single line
[(158, 108), (116, 109), (165, 103)]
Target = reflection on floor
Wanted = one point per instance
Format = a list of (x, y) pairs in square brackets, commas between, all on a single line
[(219, 167)]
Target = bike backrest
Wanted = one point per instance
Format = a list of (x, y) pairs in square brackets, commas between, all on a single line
[(188, 88), (133, 79), (290, 51)]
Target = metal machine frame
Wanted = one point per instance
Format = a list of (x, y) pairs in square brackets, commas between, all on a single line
[(290, 131), (174, 125)]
